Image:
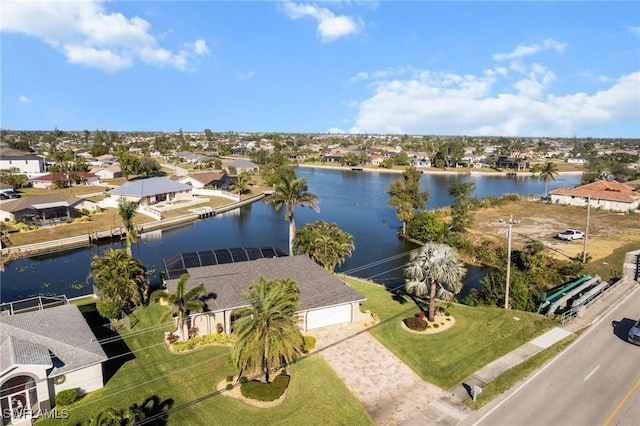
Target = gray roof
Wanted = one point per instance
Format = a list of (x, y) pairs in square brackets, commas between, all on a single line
[(35, 337), (150, 187), (240, 163), (225, 282), (38, 202)]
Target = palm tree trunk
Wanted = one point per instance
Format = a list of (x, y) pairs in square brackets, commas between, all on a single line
[(404, 229), (432, 300), (265, 366), (292, 233), (128, 241)]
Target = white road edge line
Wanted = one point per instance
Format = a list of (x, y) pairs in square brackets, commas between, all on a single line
[(590, 374), (593, 324)]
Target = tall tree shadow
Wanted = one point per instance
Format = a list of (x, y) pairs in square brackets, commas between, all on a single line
[(154, 410)]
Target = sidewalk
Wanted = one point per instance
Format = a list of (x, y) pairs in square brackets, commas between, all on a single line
[(448, 410)]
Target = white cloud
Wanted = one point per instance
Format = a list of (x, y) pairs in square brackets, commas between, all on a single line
[(524, 50), (89, 35), (24, 100), (330, 26), (633, 29), (248, 75), (336, 131), (492, 104)]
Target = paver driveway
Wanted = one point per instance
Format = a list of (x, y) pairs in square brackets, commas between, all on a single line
[(389, 390)]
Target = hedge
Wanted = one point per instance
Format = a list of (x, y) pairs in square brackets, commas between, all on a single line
[(198, 341)]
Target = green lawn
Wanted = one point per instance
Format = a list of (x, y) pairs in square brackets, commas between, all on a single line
[(316, 394), (479, 336)]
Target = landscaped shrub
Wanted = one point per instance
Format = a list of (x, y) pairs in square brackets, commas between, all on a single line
[(415, 323), (109, 309), (243, 380), (265, 391), (229, 378), (229, 386), (309, 343), (206, 339), (66, 397)]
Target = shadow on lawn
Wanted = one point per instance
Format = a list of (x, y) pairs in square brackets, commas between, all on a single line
[(153, 410), (402, 297), (114, 347)]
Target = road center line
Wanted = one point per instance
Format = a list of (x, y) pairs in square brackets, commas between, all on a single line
[(590, 374), (620, 404)]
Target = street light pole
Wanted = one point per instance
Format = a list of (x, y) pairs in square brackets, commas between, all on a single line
[(506, 291), (586, 231)]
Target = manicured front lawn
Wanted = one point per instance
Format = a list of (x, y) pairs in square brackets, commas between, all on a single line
[(316, 395), (479, 336)]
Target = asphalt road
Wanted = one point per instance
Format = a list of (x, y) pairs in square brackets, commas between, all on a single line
[(596, 381)]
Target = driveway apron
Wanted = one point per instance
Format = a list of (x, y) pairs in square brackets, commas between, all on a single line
[(389, 390)]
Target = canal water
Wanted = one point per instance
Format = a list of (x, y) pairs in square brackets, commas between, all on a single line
[(356, 201)]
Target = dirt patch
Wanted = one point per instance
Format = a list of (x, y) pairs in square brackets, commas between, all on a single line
[(536, 220)]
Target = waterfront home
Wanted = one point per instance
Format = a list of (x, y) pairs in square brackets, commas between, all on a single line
[(602, 194), (324, 299), (107, 172), (150, 191), (240, 165), (218, 180), (44, 350), (45, 209)]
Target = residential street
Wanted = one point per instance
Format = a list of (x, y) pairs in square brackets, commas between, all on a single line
[(594, 382)]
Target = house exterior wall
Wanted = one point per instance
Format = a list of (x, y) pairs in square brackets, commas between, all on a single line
[(33, 164), (84, 380), (616, 206), (39, 374)]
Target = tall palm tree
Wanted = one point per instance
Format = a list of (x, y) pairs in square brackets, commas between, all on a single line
[(290, 192), (434, 267), (127, 210), (324, 243), (267, 334), (182, 301), (243, 180), (548, 172), (119, 278)]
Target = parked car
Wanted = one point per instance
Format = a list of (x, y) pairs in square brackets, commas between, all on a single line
[(634, 333), (571, 234)]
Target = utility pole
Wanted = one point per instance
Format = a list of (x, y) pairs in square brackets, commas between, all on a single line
[(586, 231), (506, 291)]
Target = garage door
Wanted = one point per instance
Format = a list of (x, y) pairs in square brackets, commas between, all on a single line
[(328, 316)]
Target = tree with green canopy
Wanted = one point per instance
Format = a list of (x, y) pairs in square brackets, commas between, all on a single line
[(267, 333), (119, 278), (127, 210), (405, 195), (324, 243), (182, 301), (290, 192), (434, 270), (548, 173)]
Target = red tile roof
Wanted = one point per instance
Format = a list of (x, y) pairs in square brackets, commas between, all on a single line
[(603, 190)]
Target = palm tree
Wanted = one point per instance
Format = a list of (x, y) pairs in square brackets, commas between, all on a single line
[(290, 192), (243, 180), (181, 301), (127, 210), (434, 266), (548, 172), (267, 334), (324, 243), (119, 278)]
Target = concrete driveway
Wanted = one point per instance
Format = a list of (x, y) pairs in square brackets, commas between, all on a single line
[(389, 390)]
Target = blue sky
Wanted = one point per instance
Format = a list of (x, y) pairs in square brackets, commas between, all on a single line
[(558, 69)]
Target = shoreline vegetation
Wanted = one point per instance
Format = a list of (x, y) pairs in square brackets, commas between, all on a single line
[(82, 238)]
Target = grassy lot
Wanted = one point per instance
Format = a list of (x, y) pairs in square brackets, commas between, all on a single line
[(316, 394), (479, 336)]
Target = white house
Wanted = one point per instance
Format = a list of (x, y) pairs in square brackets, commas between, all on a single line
[(150, 191), (324, 299), (43, 352), (606, 195), (23, 162)]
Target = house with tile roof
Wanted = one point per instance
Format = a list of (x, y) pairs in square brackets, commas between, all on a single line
[(325, 300), (71, 179), (218, 180), (43, 352), (602, 194), (45, 209)]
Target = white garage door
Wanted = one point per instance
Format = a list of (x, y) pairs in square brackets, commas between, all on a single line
[(328, 316)]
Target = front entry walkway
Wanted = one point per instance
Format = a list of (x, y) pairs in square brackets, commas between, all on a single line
[(389, 390)]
